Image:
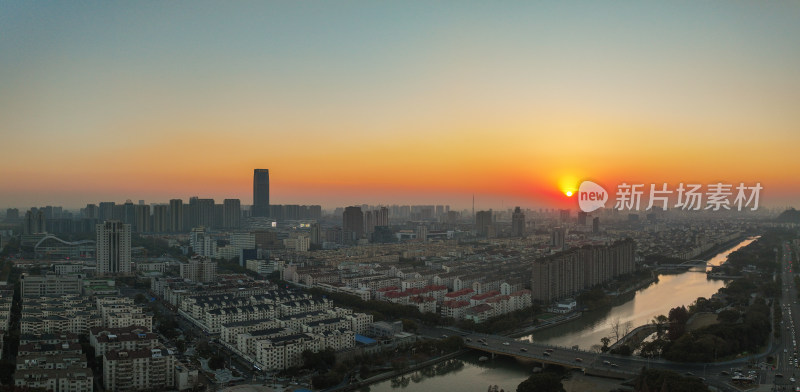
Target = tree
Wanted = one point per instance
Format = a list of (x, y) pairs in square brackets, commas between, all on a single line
[(728, 316), (605, 340), (140, 298), (409, 325), (660, 322), (677, 322), (541, 382), (216, 362), (614, 325)]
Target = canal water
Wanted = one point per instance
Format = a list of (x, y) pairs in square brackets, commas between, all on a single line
[(637, 308)]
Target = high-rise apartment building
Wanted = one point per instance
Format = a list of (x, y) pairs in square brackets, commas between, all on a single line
[(484, 224), (105, 211), (518, 223), (260, 192), (558, 238), (565, 273), (176, 216), (113, 248), (352, 224), (142, 218), (12, 215), (161, 218)]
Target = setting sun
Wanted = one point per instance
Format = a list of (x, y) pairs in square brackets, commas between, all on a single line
[(568, 193)]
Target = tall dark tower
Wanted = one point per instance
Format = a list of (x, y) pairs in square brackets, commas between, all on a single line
[(261, 192)]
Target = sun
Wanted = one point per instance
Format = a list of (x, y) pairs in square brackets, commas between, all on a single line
[(568, 185)]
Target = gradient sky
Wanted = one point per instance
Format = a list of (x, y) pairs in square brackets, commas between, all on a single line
[(393, 102)]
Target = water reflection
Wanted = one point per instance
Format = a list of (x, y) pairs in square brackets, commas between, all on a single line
[(465, 373), (658, 298)]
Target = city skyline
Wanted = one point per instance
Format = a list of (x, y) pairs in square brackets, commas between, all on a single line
[(389, 103)]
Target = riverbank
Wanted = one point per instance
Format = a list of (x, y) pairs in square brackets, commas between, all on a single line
[(397, 373)]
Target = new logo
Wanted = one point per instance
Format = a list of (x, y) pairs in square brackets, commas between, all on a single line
[(591, 196)]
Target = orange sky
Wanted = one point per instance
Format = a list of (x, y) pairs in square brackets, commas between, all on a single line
[(394, 103)]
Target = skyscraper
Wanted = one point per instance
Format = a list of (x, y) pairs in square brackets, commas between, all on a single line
[(231, 213), (518, 223), (113, 248), (558, 238), (352, 224), (261, 192)]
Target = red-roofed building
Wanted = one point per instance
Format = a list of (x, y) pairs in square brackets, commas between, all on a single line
[(455, 309), (424, 304), (460, 295), (381, 292), (397, 297), (481, 298), (500, 304)]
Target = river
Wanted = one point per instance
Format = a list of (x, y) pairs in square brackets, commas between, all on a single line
[(658, 298)]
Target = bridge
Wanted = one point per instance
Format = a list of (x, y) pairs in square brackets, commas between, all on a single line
[(572, 358), (684, 265), (597, 364)]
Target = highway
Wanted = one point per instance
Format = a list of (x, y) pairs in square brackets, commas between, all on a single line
[(786, 369)]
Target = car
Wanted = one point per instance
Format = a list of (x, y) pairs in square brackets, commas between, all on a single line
[(485, 344), (578, 360), (506, 344), (606, 363), (791, 379), (469, 340), (777, 375), (614, 365), (724, 373), (689, 374), (546, 354), (523, 349), (549, 350)]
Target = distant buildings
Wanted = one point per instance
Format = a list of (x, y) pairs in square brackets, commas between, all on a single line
[(161, 219), (232, 213), (113, 248), (484, 224), (518, 223), (260, 193), (558, 238), (353, 224), (176, 215)]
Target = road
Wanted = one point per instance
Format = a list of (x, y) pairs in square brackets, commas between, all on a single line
[(786, 369)]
